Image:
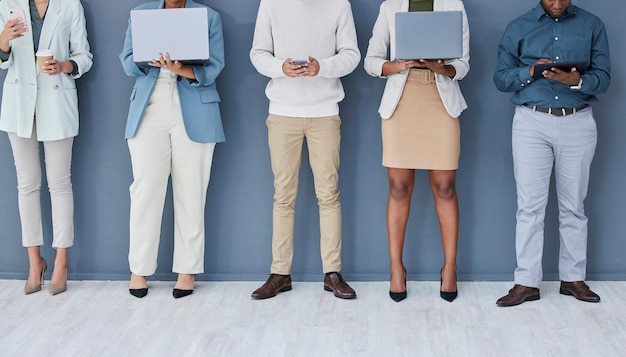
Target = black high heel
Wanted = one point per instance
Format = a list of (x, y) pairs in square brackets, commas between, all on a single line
[(449, 296), (179, 293), (138, 293), (398, 296)]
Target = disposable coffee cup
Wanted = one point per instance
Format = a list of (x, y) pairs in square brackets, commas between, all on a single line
[(42, 57)]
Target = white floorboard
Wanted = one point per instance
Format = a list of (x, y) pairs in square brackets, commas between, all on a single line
[(100, 318)]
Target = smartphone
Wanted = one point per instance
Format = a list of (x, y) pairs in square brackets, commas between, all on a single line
[(17, 14), (301, 63)]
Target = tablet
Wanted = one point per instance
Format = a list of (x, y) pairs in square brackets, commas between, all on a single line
[(581, 67)]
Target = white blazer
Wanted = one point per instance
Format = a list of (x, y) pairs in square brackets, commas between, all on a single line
[(27, 93), (383, 38)]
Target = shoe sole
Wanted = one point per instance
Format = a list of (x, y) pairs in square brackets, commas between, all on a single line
[(529, 298), (569, 293), (281, 290), (348, 297)]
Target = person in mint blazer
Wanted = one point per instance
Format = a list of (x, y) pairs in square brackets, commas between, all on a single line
[(42, 106), (173, 125)]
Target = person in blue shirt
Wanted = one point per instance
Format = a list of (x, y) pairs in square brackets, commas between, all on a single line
[(553, 125)]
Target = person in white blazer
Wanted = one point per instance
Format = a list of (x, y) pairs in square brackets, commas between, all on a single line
[(42, 106), (435, 102)]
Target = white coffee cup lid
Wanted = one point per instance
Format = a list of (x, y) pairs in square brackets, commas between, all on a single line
[(45, 53)]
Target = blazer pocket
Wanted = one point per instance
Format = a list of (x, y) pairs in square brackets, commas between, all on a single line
[(209, 96)]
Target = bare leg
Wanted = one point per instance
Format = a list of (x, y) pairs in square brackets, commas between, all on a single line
[(59, 275), (442, 183), (35, 264), (401, 183), (185, 281)]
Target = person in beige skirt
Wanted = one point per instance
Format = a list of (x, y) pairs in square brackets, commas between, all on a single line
[(420, 130)]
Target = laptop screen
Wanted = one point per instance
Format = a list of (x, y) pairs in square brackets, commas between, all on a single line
[(429, 35), (183, 33)]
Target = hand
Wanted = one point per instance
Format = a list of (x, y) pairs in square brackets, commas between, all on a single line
[(13, 29), (438, 66), (53, 67), (570, 78), (531, 70), (397, 66), (313, 69), (294, 70), (167, 63)]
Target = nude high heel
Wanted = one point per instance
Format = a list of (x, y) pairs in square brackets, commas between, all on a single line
[(29, 289), (57, 289)]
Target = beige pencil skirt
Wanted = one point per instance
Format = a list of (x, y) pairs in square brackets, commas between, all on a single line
[(421, 134)]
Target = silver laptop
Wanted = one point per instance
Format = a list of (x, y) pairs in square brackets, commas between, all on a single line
[(429, 35), (183, 33)]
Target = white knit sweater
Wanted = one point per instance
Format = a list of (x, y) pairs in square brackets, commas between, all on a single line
[(323, 29)]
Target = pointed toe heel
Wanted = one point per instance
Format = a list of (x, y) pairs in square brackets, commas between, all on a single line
[(448, 296), (398, 296), (138, 293), (57, 289), (179, 293), (29, 289)]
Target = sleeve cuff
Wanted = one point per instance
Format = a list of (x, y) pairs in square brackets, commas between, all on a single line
[(4, 56), (74, 67)]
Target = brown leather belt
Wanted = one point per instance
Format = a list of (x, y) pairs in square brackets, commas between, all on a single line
[(557, 112)]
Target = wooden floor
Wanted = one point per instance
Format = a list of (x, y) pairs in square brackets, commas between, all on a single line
[(100, 318)]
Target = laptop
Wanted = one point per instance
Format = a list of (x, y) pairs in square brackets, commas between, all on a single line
[(429, 35), (183, 33)]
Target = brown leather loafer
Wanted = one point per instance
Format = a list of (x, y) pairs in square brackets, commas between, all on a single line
[(579, 290), (275, 284), (334, 282), (518, 295)]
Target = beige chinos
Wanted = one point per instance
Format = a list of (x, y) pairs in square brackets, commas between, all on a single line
[(285, 138)]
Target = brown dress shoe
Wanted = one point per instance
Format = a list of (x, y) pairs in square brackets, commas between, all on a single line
[(518, 295), (334, 282), (275, 284), (579, 290)]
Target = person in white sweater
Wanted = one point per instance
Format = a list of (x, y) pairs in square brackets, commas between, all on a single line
[(305, 47)]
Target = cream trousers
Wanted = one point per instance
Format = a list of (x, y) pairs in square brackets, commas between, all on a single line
[(58, 162), (162, 149)]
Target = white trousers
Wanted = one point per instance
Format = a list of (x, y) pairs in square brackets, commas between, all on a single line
[(541, 142), (58, 162), (162, 149)]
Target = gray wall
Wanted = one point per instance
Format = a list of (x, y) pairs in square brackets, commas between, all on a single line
[(238, 214)]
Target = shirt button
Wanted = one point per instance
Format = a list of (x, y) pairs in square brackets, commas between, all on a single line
[(556, 38), (557, 57), (56, 86), (17, 81), (528, 81), (557, 97)]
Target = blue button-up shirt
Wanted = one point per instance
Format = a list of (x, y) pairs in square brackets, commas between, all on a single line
[(576, 36)]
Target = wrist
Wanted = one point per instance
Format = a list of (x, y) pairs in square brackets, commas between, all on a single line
[(577, 86)]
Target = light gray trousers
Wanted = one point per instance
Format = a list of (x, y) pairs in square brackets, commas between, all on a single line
[(541, 142), (58, 162)]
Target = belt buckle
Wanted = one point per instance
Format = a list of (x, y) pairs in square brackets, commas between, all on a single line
[(426, 76)]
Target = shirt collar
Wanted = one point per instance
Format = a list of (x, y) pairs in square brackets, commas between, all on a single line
[(540, 12)]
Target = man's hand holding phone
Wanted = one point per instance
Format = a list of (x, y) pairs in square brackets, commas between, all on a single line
[(301, 68)]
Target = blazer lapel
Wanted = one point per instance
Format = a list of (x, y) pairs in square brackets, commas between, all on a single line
[(49, 24)]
